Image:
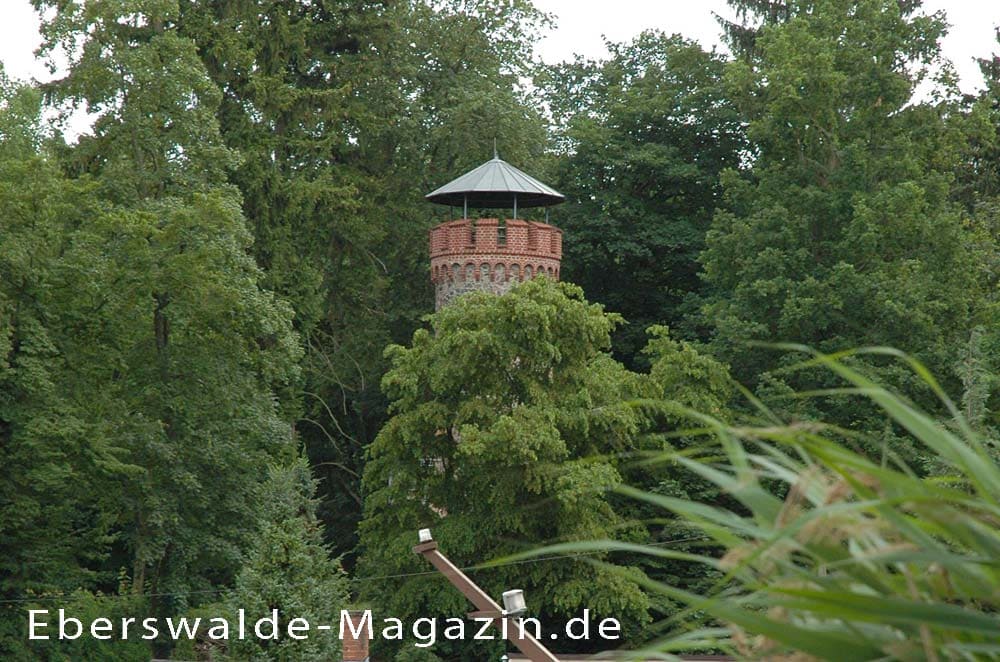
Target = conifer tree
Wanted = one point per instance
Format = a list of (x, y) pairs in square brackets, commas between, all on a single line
[(288, 568), (346, 114), (742, 31)]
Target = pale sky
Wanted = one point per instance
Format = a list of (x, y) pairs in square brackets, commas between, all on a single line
[(582, 24)]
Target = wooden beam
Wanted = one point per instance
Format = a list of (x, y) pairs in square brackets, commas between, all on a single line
[(525, 643)]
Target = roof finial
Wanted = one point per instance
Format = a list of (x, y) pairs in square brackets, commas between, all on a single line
[(495, 155)]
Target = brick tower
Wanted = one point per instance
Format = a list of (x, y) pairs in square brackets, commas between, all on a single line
[(490, 254)]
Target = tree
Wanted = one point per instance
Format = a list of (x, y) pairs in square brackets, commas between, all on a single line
[(988, 170), (301, 85), (977, 189), (177, 356), (289, 568), (346, 113), (60, 472), (644, 137), (751, 16), (446, 86), (504, 415), (978, 177), (845, 234), (681, 386)]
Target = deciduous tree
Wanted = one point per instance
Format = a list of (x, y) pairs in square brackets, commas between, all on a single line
[(505, 413), (845, 235), (644, 137)]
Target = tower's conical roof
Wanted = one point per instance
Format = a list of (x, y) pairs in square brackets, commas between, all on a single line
[(496, 183)]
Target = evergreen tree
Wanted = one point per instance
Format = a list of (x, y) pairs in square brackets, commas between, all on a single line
[(301, 89), (977, 188), (978, 116), (289, 568), (455, 69), (987, 165), (752, 15), (346, 113), (210, 277)]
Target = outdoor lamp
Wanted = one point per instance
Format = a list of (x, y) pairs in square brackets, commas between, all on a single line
[(513, 602), (425, 535)]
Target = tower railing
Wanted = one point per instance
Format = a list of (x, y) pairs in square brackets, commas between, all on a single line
[(487, 236)]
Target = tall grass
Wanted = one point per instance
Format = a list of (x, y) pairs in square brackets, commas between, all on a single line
[(859, 560)]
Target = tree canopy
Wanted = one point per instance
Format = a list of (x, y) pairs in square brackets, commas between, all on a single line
[(502, 412), (219, 382)]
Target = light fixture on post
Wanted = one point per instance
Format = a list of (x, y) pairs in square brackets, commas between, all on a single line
[(513, 602)]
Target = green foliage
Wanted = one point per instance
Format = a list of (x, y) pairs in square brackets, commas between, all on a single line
[(683, 375), (414, 654), (845, 234), (50, 442), (503, 414), (977, 187), (346, 114), (155, 133), (750, 17), (644, 136), (301, 88), (680, 378), (212, 275), (148, 366), (289, 568), (85, 607), (860, 560)]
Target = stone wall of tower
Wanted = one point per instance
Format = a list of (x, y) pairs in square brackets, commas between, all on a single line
[(483, 255)]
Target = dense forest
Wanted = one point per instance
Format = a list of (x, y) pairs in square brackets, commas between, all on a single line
[(220, 374)]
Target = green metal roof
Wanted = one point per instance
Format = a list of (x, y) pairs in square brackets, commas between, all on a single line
[(496, 183)]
